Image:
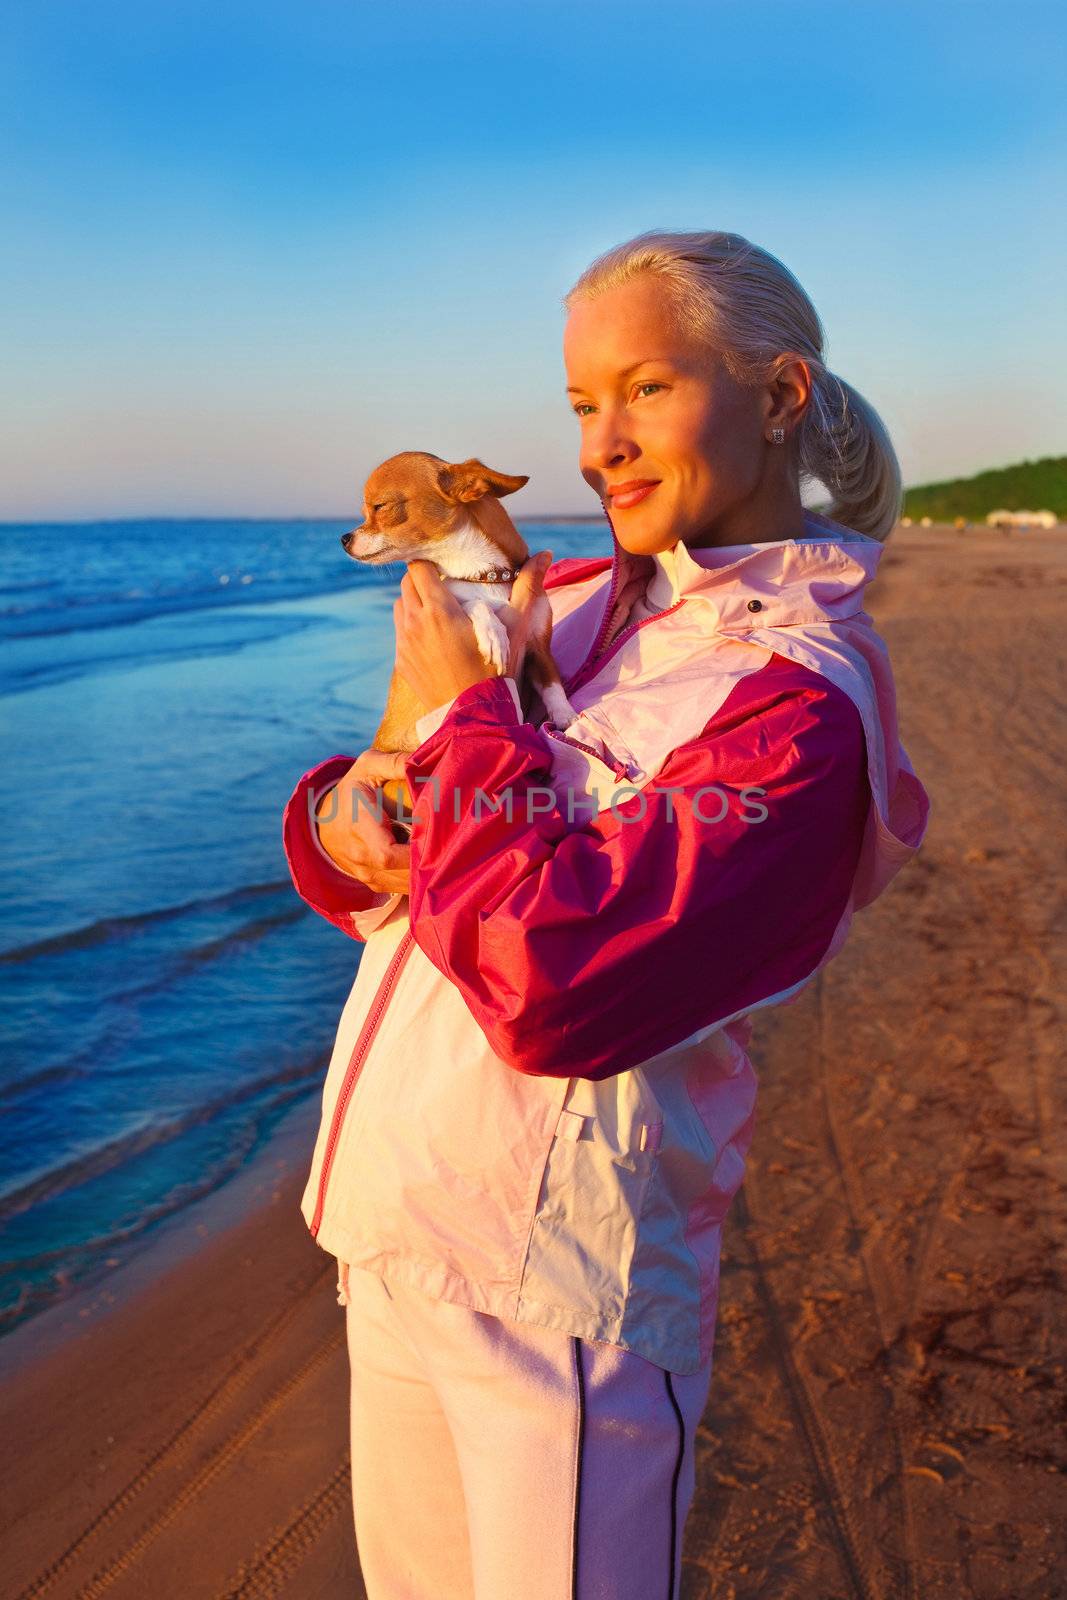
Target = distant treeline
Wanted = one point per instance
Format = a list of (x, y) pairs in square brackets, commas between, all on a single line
[(1029, 486)]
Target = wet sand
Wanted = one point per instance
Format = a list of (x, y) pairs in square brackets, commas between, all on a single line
[(886, 1413)]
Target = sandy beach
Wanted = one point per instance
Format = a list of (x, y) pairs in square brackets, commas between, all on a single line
[(885, 1417)]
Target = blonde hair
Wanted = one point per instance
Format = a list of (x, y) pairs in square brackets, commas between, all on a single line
[(740, 300)]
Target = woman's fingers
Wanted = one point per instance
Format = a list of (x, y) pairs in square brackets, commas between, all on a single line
[(395, 876), (411, 589), (356, 838), (377, 766), (422, 585), (529, 585), (369, 815), (365, 849), (527, 590)]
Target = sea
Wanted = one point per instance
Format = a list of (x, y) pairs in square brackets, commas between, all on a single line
[(167, 996)]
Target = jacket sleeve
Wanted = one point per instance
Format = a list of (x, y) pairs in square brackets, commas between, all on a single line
[(346, 902), (585, 947)]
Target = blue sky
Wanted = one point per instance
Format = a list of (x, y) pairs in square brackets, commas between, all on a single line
[(250, 250)]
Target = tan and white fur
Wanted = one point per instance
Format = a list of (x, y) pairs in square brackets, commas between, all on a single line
[(418, 507)]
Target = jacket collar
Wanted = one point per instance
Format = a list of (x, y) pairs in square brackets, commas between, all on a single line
[(820, 577)]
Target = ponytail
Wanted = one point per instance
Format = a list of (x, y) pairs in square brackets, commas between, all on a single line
[(844, 445)]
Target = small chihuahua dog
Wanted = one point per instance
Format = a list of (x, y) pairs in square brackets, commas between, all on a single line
[(421, 508)]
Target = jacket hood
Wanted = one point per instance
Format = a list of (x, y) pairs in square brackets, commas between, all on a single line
[(803, 598)]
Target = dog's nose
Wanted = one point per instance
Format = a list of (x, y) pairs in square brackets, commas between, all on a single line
[(344, 540)]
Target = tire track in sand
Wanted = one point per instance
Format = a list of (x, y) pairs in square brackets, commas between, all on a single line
[(228, 1388), (833, 1503), (219, 1458), (268, 1570), (862, 1231)]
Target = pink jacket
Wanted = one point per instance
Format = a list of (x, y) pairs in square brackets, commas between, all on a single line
[(539, 1099)]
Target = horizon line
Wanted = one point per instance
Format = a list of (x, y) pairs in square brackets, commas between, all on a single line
[(177, 516)]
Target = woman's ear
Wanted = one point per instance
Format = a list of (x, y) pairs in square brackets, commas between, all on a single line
[(789, 391), (473, 480)]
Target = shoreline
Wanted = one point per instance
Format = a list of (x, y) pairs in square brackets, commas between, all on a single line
[(273, 1178), (189, 1415)]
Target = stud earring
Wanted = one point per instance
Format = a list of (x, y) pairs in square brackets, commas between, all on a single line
[(778, 436)]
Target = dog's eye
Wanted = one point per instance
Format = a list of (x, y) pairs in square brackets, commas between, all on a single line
[(379, 507)]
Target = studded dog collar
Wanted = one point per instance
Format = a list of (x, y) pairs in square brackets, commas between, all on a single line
[(493, 575)]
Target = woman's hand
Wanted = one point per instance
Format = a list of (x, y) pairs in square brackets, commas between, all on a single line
[(528, 588), (436, 650), (349, 830)]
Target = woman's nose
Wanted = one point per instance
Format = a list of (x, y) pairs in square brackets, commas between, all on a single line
[(605, 445)]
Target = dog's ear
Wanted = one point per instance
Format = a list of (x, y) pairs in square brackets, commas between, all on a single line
[(473, 480)]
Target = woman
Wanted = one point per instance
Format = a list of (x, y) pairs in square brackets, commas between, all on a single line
[(540, 1100)]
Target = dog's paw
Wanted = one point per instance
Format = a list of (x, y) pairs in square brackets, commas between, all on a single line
[(492, 637), (560, 711)]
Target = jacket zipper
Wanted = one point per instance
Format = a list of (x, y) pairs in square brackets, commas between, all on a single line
[(585, 671), (621, 771), (355, 1066), (605, 620)]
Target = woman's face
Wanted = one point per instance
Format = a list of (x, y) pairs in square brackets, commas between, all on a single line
[(654, 405)]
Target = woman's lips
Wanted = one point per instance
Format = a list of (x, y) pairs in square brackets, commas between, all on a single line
[(632, 496)]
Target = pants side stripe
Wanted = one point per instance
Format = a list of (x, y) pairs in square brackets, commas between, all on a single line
[(577, 1343), (674, 1483)]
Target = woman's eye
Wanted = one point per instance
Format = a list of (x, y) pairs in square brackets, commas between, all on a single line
[(579, 411)]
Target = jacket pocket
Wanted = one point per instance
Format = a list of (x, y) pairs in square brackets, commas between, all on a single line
[(585, 1226), (594, 733), (586, 779)]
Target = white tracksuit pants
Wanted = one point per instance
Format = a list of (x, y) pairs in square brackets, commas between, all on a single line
[(494, 1460)]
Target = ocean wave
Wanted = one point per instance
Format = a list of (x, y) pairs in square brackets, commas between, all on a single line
[(289, 1083), (203, 955), (74, 1264), (90, 613), (145, 649), (61, 1073), (32, 586), (109, 929)]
